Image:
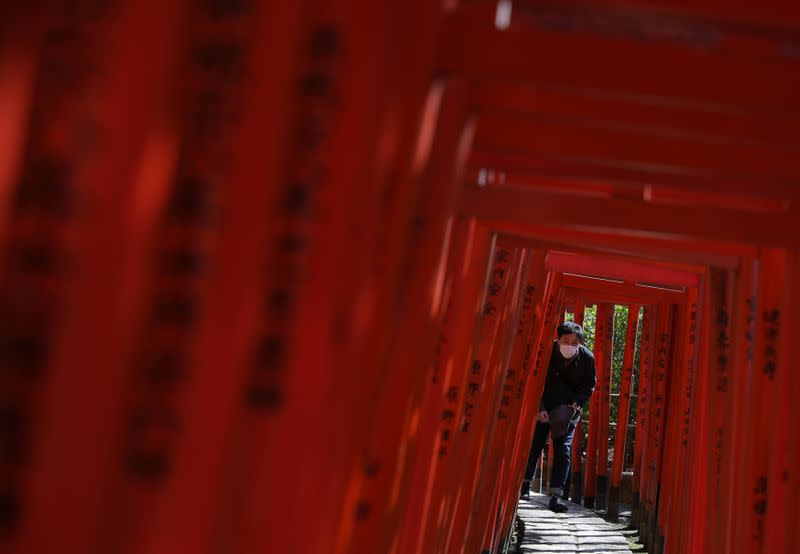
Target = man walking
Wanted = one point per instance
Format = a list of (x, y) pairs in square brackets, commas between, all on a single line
[(570, 382)]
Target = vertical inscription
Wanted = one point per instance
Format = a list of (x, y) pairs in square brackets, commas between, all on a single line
[(39, 256), (215, 70), (477, 374), (289, 252), (691, 374)]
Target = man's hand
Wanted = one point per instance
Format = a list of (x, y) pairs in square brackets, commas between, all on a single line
[(543, 416)]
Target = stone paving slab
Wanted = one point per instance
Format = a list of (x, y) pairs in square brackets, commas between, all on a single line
[(577, 531)]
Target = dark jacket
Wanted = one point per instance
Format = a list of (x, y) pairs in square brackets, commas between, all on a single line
[(572, 383)]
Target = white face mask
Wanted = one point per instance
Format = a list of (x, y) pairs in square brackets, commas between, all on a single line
[(568, 351)]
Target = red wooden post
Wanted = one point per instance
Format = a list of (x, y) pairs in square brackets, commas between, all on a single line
[(460, 357), (642, 414), (688, 427), (603, 350), (221, 412), (83, 185), (419, 324), (671, 427), (794, 387), (662, 344), (484, 370), (516, 389), (466, 274), (731, 357), (538, 360), (590, 473), (623, 411), (752, 495), (484, 502), (674, 375), (729, 335), (782, 472), (384, 272), (692, 532)]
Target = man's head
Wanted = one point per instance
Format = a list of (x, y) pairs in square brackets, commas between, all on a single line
[(570, 336)]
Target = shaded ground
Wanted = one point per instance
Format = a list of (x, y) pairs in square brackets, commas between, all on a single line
[(579, 530)]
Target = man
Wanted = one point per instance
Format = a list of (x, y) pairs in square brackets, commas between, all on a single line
[(570, 382)]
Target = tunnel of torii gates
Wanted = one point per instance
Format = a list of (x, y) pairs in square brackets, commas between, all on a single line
[(284, 276)]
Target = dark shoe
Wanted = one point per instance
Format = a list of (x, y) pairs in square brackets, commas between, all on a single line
[(557, 506), (525, 491)]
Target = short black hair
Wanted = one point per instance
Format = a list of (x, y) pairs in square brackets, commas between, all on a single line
[(571, 328)]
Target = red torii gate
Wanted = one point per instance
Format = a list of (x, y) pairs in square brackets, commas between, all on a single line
[(316, 250)]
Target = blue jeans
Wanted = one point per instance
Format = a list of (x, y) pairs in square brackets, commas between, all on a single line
[(561, 454)]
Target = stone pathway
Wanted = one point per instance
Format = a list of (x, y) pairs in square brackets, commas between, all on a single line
[(578, 530)]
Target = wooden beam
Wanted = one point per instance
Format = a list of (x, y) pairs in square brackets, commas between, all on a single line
[(618, 295), (776, 17), (471, 45), (624, 146), (522, 168), (629, 217), (625, 269), (598, 262), (689, 251), (620, 110)]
